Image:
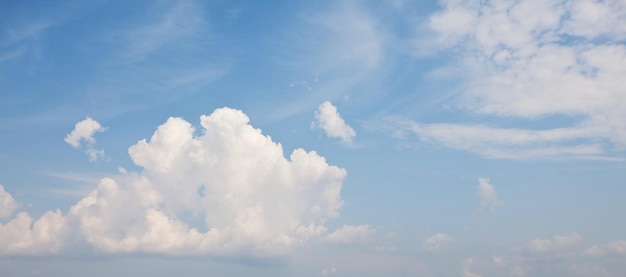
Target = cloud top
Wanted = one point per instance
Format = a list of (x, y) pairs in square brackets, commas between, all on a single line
[(229, 190), (7, 203)]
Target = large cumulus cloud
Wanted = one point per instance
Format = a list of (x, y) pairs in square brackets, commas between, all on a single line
[(227, 189)]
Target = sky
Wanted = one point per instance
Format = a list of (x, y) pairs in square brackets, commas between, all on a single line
[(313, 138)]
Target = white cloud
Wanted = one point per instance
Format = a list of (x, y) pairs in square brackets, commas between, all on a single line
[(593, 19), (233, 179), (533, 60), (438, 242), (561, 255), (618, 247), (558, 242), (506, 143), (487, 194), (594, 251), (7, 203), (465, 268), (328, 119), (349, 234), (84, 131), (24, 235), (615, 247)]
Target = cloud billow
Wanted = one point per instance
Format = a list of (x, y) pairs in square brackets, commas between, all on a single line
[(250, 198)]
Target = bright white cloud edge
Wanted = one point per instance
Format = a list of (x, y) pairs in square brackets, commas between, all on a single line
[(329, 120), (247, 197), (83, 134), (7, 203)]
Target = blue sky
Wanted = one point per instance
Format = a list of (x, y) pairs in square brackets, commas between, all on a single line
[(313, 138)]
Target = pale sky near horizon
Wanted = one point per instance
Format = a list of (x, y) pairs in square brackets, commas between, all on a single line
[(313, 138)]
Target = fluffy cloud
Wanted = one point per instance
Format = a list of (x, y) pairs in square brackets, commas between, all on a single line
[(349, 234), (228, 190), (438, 242), (328, 119), (84, 131), (24, 235), (487, 194), (533, 60), (7, 203)]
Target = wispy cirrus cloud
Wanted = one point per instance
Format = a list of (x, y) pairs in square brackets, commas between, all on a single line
[(342, 44), (168, 24), (505, 143)]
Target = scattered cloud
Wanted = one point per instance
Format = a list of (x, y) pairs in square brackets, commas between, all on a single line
[(558, 242), (438, 242), (487, 194), (84, 132), (535, 60), (234, 181), (562, 255), (7, 203), (328, 119), (618, 247), (615, 247), (594, 251), (465, 268), (350, 234)]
